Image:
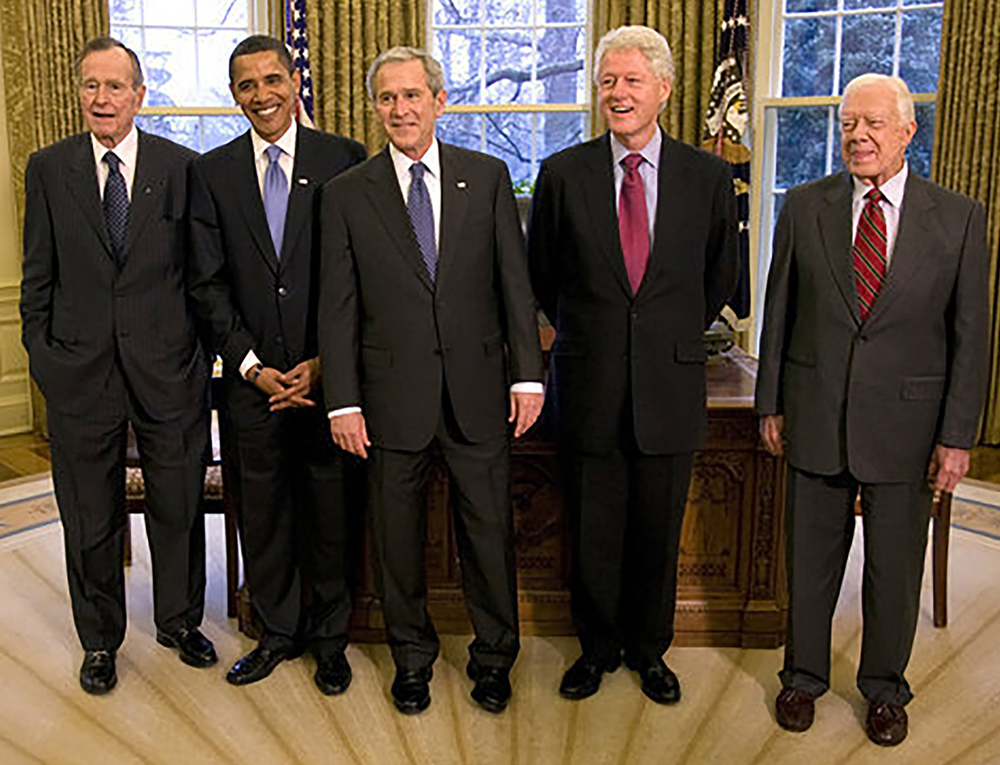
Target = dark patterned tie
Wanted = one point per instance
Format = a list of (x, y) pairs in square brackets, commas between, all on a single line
[(633, 221), (275, 197), (115, 205), (870, 247), (418, 204)]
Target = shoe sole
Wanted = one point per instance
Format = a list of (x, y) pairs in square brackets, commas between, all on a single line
[(191, 661), (331, 690), (413, 709), (98, 691)]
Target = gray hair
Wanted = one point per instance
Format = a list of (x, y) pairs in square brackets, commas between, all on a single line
[(904, 99), (99, 44), (648, 42), (401, 54)]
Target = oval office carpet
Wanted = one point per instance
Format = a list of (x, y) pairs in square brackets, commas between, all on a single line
[(166, 712)]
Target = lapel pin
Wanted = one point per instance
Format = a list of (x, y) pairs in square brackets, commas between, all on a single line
[(148, 190), (303, 181), (461, 184)]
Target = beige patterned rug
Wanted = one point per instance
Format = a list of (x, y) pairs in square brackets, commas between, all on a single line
[(26, 504)]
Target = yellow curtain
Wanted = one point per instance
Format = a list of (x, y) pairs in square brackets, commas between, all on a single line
[(967, 141), (692, 29), (40, 43), (345, 36)]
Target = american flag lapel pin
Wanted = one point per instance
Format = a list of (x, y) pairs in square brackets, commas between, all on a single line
[(303, 181), (460, 184)]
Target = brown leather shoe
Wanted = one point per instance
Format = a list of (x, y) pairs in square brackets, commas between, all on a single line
[(794, 710), (886, 724)]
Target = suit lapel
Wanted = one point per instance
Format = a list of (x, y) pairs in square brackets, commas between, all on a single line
[(81, 178), (383, 191), (454, 199), (599, 191), (148, 185), (245, 183), (670, 182), (835, 230), (909, 248), (300, 195)]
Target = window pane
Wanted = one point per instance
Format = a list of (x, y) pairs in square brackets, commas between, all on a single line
[(222, 13), (214, 49), (169, 61), (198, 133), (555, 131), (508, 79), (807, 67), (125, 11), (460, 53), (508, 136), (919, 152), (457, 12), (464, 130), (168, 13), (867, 45), (561, 11), (508, 12), (801, 145), (860, 5), (561, 56), (921, 46)]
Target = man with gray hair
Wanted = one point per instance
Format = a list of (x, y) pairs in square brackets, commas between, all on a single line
[(632, 250), (425, 315), (872, 378)]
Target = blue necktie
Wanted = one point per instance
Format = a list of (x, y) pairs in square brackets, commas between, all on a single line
[(115, 205), (418, 204), (275, 197)]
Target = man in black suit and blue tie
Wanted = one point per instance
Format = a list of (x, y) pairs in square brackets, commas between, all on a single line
[(111, 344), (253, 220)]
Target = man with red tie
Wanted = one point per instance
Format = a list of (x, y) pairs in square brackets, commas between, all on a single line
[(872, 378), (632, 249)]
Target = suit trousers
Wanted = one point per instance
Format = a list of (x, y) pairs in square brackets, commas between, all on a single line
[(480, 501), (88, 470), (297, 492), (625, 511), (819, 530)]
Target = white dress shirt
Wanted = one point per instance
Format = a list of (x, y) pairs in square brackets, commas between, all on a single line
[(893, 190), (649, 171), (286, 161), (127, 150)]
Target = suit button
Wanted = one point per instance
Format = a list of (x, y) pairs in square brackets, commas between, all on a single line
[(282, 290), (123, 333), (279, 340)]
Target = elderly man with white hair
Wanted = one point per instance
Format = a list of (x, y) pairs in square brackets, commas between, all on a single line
[(872, 378), (632, 248)]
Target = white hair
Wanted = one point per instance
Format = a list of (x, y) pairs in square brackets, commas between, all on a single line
[(400, 55), (648, 42), (904, 99)]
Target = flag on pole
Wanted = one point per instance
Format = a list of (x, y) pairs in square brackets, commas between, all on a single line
[(725, 127), (298, 47)]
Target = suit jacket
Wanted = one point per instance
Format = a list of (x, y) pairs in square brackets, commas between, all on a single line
[(392, 341), (248, 297), (616, 351), (80, 311), (875, 397)]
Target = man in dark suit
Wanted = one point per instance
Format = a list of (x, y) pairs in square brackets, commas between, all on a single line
[(426, 314), (872, 378), (255, 235), (632, 254), (111, 343)]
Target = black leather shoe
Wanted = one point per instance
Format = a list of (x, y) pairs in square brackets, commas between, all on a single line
[(886, 724), (411, 691), (794, 710), (195, 649), (333, 673), (583, 679), (492, 689), (97, 673), (256, 665), (659, 682)]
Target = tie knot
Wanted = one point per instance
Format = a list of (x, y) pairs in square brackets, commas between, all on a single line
[(875, 196), (113, 161), (417, 169), (631, 162), (273, 153)]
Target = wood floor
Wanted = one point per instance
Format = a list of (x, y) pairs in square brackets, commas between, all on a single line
[(166, 712)]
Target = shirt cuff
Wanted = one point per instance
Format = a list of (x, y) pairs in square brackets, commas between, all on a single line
[(249, 362), (343, 410), (527, 387)]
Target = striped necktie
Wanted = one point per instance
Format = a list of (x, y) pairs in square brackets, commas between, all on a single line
[(870, 248)]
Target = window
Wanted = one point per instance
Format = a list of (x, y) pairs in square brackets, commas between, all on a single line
[(817, 47), (184, 47), (518, 77)]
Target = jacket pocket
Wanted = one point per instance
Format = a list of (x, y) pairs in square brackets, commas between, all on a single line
[(690, 352), (923, 388)]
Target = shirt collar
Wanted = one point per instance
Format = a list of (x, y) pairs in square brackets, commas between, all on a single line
[(431, 160), (286, 143), (126, 150), (650, 152), (892, 189)]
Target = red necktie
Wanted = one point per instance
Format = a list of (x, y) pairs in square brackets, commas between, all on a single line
[(633, 221), (870, 247)]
